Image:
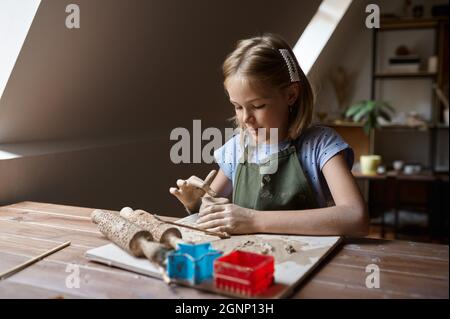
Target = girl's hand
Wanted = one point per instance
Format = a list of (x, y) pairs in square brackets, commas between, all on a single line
[(229, 218), (190, 191)]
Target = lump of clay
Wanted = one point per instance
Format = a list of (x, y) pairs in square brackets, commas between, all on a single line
[(289, 249), (266, 248), (208, 201)]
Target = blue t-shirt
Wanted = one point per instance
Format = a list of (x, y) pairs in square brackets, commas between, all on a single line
[(315, 147)]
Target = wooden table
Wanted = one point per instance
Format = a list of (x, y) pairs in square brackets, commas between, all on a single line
[(407, 269)]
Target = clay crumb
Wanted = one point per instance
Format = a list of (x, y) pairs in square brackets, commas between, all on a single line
[(246, 244), (290, 249), (266, 248)]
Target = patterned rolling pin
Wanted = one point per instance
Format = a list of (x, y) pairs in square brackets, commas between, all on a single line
[(161, 231), (129, 236)]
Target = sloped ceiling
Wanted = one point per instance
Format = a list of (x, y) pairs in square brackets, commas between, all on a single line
[(134, 67)]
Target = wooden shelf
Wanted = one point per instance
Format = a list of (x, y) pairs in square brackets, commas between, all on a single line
[(388, 24), (423, 176), (392, 75), (344, 124), (442, 126), (386, 127), (405, 127)]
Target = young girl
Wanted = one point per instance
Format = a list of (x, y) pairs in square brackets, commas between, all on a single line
[(312, 191)]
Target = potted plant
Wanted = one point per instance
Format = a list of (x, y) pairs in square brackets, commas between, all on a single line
[(368, 112)]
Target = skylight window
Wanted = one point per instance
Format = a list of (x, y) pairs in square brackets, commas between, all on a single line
[(319, 31), (15, 21)]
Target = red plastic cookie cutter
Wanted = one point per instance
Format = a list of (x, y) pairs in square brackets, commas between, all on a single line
[(244, 273)]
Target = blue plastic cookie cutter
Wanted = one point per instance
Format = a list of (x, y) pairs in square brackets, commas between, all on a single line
[(192, 262)]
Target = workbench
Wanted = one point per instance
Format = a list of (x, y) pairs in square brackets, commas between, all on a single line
[(407, 269)]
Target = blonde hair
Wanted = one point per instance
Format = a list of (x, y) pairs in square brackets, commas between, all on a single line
[(259, 59)]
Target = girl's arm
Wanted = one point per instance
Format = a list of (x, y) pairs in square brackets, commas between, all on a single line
[(348, 217), (222, 185)]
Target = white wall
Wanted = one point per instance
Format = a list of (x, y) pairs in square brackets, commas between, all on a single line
[(133, 67), (15, 21)]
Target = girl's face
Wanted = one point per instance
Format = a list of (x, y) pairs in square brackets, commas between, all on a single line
[(258, 106)]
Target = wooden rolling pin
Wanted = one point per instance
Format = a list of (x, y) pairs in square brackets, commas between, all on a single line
[(129, 236), (162, 232)]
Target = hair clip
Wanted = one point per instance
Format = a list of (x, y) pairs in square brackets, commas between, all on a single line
[(293, 72)]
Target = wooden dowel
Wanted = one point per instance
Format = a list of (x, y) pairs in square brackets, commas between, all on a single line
[(15, 269), (212, 233)]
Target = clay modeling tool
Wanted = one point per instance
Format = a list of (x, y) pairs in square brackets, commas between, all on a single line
[(18, 268), (221, 235), (199, 183), (131, 238), (206, 186), (161, 231)]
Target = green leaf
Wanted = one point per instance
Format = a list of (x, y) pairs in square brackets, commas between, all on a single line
[(387, 106), (354, 108), (365, 111), (369, 111)]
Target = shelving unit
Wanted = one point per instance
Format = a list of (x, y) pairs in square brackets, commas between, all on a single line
[(384, 192), (409, 23), (393, 75), (394, 191), (440, 46)]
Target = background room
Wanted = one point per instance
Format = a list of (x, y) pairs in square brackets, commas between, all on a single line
[(86, 114)]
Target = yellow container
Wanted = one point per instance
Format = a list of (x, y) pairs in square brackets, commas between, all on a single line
[(369, 164)]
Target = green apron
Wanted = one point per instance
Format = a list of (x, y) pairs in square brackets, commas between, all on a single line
[(286, 189)]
